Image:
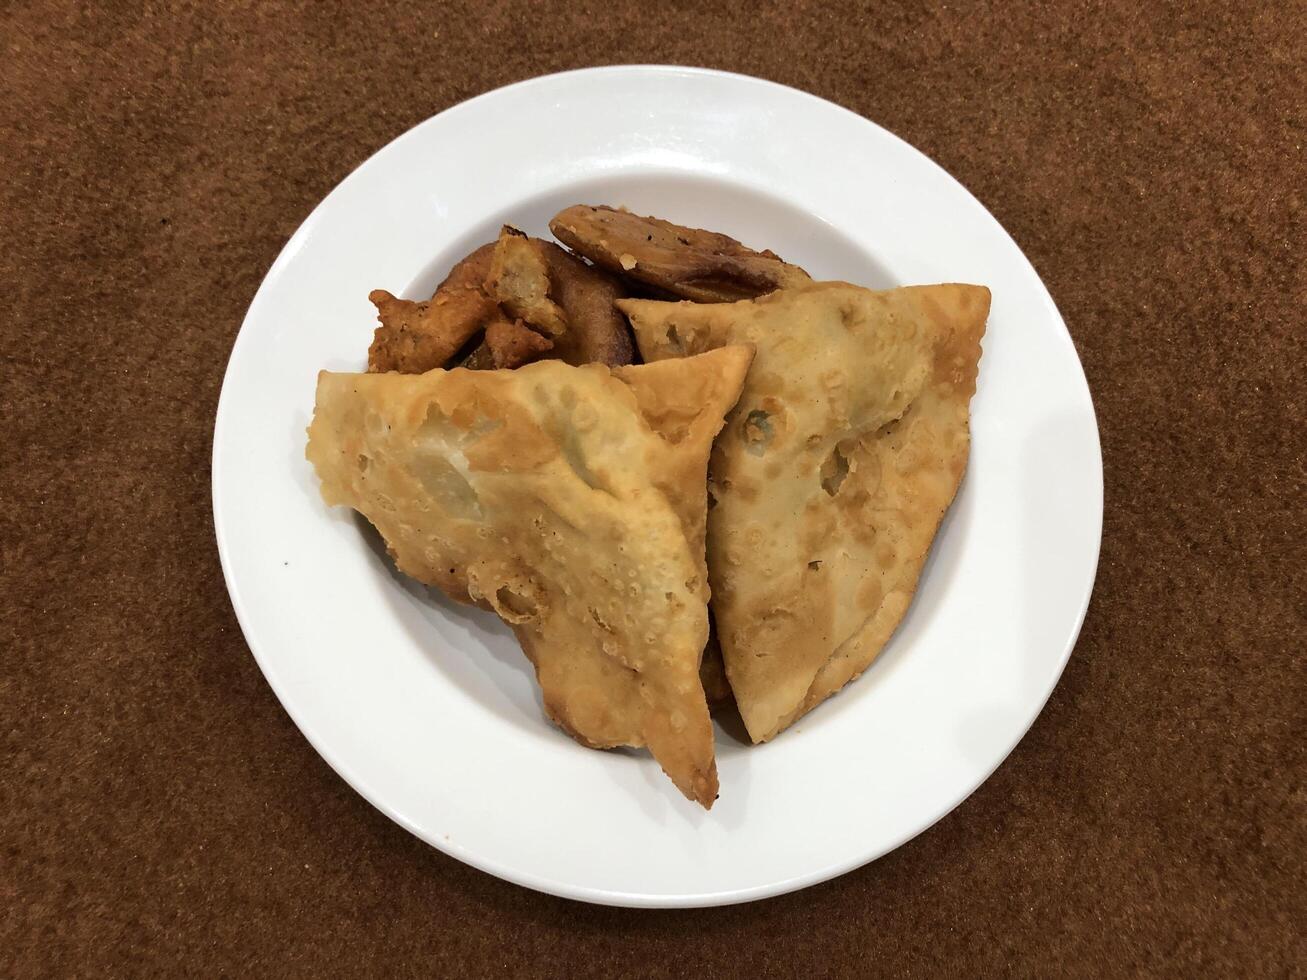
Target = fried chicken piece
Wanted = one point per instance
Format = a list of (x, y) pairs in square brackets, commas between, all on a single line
[(511, 344), (417, 336), (688, 262), (519, 280)]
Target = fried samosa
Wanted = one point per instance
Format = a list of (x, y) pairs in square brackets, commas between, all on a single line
[(572, 502), (831, 476)]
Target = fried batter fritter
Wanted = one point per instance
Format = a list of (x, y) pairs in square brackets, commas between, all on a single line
[(688, 262), (519, 281), (512, 344), (534, 281), (417, 336), (597, 331), (471, 270)]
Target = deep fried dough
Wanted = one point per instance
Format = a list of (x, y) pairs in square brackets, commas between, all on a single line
[(699, 265), (831, 476), (418, 336), (572, 501), (519, 281)]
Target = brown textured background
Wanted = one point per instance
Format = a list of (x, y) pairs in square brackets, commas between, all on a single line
[(159, 811)]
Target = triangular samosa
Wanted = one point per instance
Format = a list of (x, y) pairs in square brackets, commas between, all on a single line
[(831, 476), (570, 500)]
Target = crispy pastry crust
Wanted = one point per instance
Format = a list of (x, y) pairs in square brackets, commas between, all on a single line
[(831, 476), (570, 500)]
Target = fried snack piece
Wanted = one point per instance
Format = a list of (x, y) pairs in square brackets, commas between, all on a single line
[(698, 265), (519, 281), (418, 336), (512, 344), (831, 476), (471, 270), (597, 332), (570, 500), (481, 359)]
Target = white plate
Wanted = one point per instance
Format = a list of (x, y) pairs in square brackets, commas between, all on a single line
[(431, 712)]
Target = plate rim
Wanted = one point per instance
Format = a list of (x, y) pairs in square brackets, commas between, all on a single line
[(362, 786)]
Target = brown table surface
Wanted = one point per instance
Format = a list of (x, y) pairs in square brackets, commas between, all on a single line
[(159, 809)]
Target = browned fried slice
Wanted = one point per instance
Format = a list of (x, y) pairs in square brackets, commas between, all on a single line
[(471, 270), (700, 265), (519, 280), (597, 332), (417, 336), (511, 344), (481, 359)]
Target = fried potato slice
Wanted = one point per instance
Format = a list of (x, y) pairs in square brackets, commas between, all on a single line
[(570, 500), (831, 476), (597, 332), (519, 281), (418, 336), (698, 265)]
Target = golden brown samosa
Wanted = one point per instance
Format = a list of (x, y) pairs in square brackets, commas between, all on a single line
[(831, 476), (572, 502)]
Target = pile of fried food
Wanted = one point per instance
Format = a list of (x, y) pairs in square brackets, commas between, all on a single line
[(782, 456)]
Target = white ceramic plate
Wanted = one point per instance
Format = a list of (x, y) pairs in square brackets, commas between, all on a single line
[(430, 711)]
